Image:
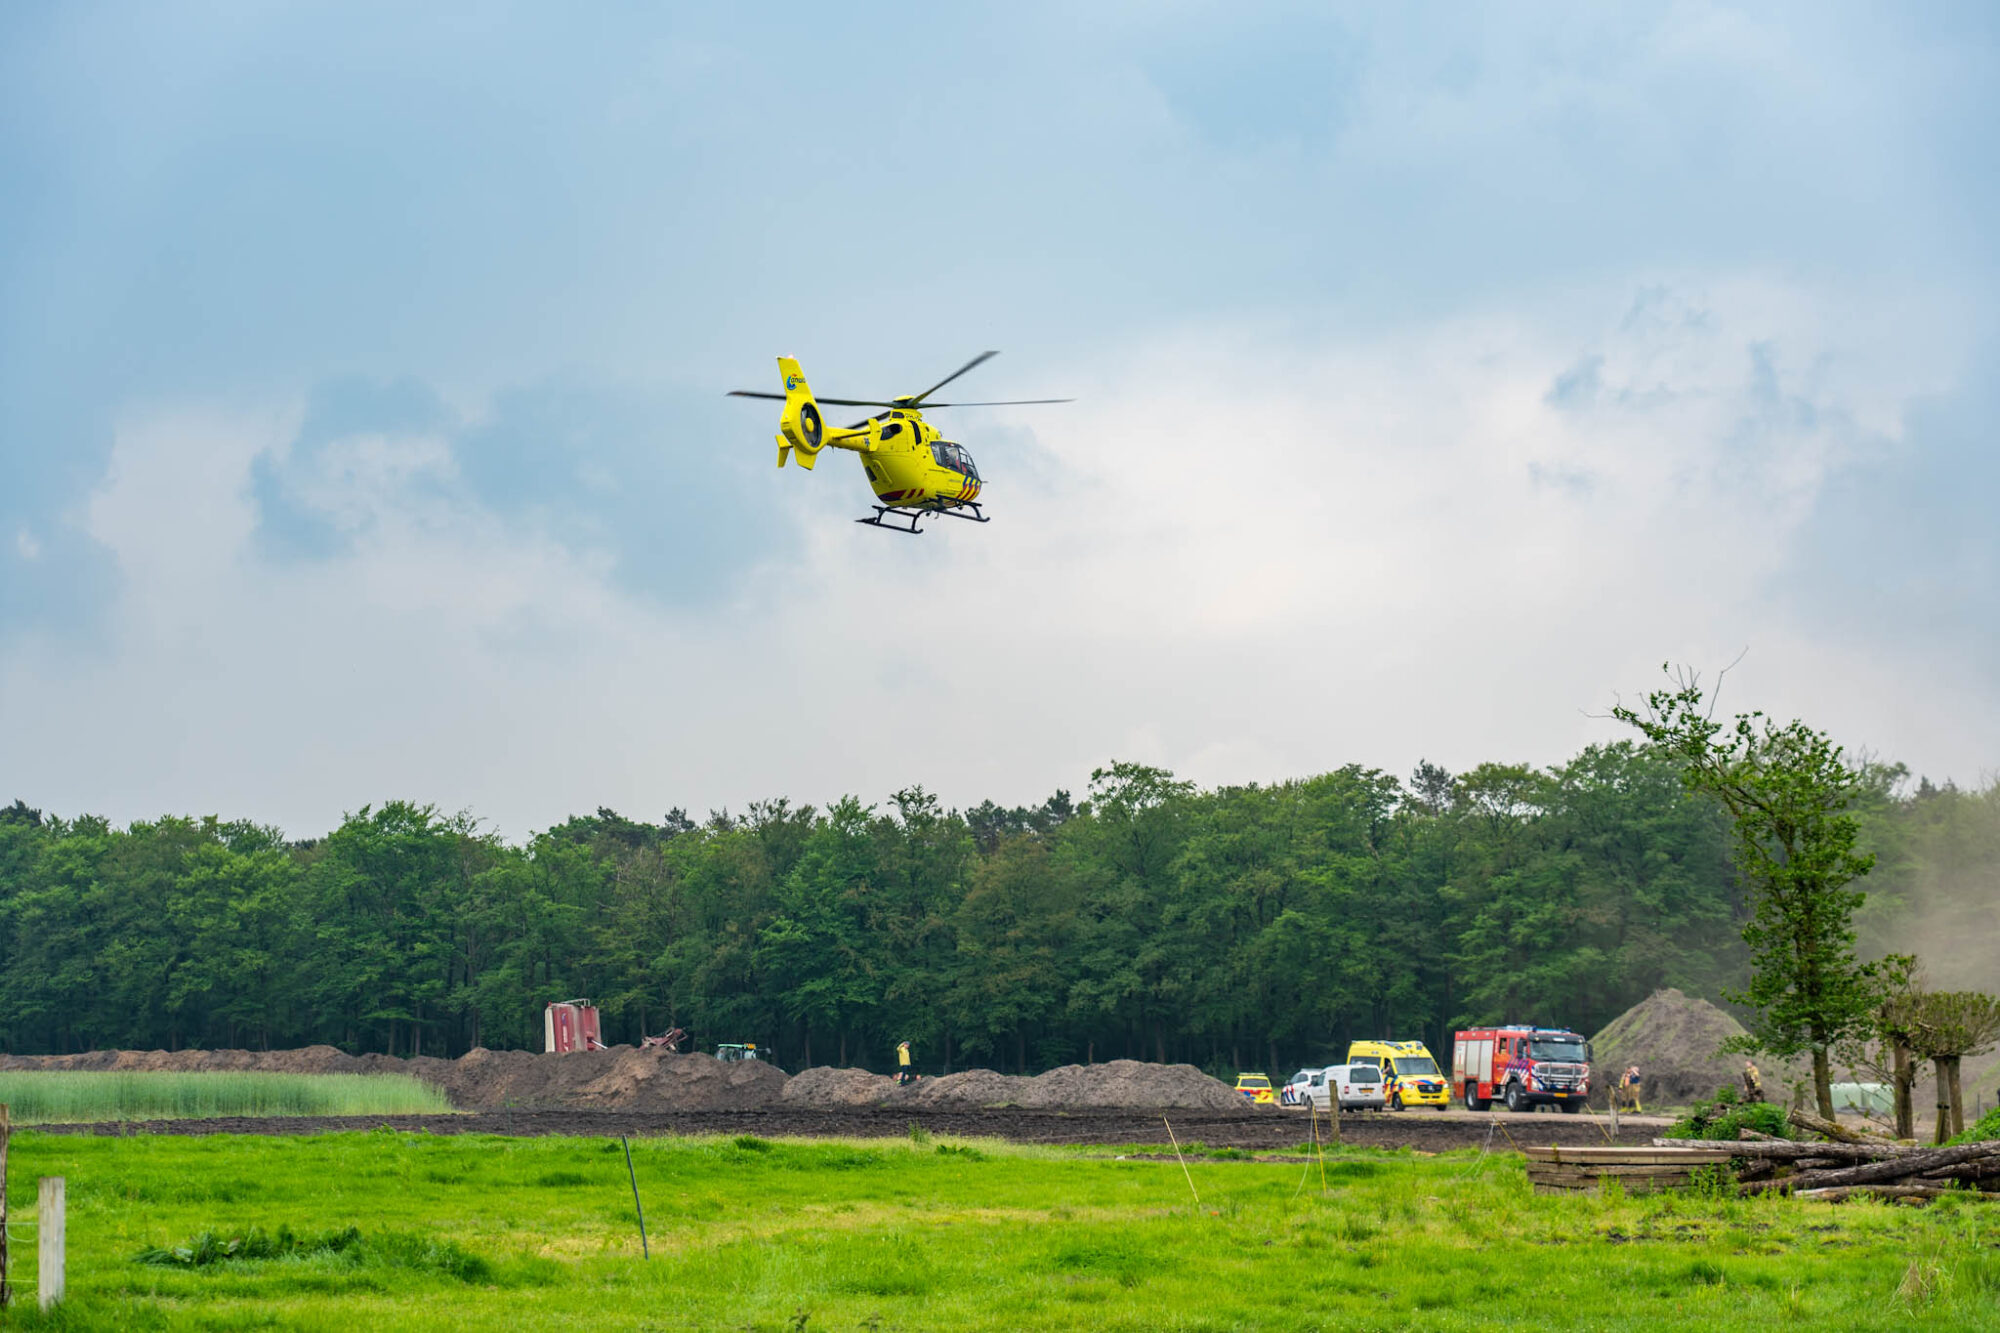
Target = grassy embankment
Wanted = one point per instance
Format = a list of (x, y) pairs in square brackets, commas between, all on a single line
[(480, 1231), (68, 1097)]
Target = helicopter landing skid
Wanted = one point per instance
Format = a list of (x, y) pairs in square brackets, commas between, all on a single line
[(892, 518)]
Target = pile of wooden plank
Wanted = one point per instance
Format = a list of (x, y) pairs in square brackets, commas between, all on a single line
[(1844, 1164), (1554, 1169)]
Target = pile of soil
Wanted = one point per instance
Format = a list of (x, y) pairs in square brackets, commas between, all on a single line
[(1118, 1083), (971, 1088), (305, 1060), (1675, 1039), (824, 1085), (624, 1077), (1131, 1083)]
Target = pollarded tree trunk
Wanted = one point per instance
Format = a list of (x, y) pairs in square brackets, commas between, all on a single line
[(1957, 1098), (1905, 1076), (1823, 1081), (1943, 1131)]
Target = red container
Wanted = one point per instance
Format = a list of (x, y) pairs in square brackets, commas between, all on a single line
[(570, 1025)]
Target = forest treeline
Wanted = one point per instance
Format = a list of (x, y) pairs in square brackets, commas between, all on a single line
[(1241, 926)]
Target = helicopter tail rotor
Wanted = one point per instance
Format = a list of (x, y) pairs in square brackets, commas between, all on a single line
[(801, 429)]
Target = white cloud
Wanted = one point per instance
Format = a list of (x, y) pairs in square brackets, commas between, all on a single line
[(1359, 558), (1259, 555)]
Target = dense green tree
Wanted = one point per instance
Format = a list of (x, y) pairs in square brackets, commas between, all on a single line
[(1788, 789), (1012, 966), (817, 946), (1255, 924)]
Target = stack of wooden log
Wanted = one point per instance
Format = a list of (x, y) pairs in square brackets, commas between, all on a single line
[(1555, 1169), (1845, 1163)]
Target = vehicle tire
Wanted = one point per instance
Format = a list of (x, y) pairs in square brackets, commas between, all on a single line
[(1442, 1107), (1570, 1108), (1473, 1101), (1395, 1101), (1517, 1100)]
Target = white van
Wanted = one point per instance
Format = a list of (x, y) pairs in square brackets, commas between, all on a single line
[(1358, 1088)]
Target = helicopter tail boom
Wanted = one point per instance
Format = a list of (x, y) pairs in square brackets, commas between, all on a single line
[(801, 429)]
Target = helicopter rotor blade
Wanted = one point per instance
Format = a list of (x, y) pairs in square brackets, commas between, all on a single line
[(1005, 402), (837, 402), (981, 359)]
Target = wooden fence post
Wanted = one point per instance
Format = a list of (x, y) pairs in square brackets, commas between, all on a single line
[(5, 1128), (49, 1237)]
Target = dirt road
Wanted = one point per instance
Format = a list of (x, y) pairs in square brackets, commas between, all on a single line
[(1261, 1129)]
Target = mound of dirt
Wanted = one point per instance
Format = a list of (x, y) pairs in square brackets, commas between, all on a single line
[(1118, 1083), (624, 1077), (307, 1060), (971, 1088), (1675, 1039), (823, 1085), (1131, 1083), (641, 1081)]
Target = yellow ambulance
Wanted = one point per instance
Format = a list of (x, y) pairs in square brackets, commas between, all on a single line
[(1407, 1067)]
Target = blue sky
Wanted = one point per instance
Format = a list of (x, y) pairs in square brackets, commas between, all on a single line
[(1442, 370)]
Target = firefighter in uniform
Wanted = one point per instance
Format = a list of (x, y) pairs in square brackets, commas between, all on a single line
[(1630, 1086), (1753, 1084), (903, 1074)]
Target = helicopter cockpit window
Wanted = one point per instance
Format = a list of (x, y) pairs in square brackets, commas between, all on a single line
[(951, 456), (891, 431)]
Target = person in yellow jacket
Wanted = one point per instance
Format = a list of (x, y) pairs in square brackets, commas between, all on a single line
[(903, 1074), (1753, 1084), (1629, 1086)]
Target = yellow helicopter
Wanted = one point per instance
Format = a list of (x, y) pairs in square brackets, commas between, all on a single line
[(914, 470)]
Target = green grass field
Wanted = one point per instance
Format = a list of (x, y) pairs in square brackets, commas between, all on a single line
[(487, 1232), (68, 1097)]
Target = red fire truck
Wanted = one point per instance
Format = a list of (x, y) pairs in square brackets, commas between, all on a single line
[(1522, 1066)]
